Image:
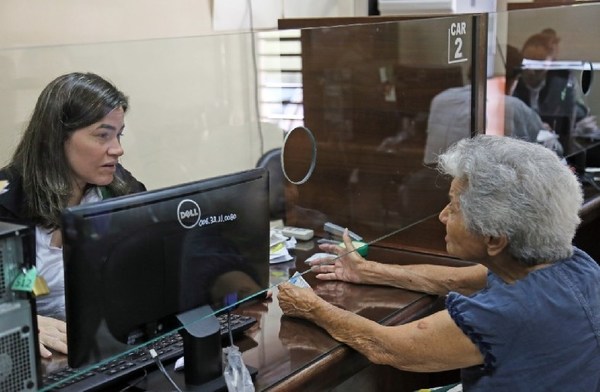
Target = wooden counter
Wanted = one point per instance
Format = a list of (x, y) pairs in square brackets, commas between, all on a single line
[(295, 355)]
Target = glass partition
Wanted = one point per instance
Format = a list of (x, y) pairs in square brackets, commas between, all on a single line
[(193, 102), (556, 81), (196, 111), (382, 101), (364, 109)]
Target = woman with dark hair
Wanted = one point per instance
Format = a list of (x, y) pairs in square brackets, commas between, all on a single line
[(68, 155)]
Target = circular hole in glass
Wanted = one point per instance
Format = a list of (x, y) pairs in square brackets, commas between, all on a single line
[(298, 155)]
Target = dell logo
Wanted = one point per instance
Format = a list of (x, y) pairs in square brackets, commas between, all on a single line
[(188, 213)]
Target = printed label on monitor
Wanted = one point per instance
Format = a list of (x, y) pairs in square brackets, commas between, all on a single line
[(188, 213)]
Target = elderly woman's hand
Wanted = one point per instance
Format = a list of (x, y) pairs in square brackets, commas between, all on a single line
[(346, 267), (296, 301), (52, 334)]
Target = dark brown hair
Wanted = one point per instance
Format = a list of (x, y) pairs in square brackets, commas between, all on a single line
[(70, 102)]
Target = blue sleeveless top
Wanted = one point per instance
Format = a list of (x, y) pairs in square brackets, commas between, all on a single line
[(540, 333)]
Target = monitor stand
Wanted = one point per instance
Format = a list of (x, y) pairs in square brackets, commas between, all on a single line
[(202, 352), (156, 381)]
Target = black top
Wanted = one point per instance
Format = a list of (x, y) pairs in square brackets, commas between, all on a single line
[(12, 202), (558, 97)]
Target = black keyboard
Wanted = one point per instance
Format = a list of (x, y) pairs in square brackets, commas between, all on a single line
[(127, 366)]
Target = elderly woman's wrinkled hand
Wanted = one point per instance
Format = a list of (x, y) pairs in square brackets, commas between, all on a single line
[(345, 267), (296, 301)]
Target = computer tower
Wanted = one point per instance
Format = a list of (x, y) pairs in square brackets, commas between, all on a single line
[(19, 350), (17, 252), (18, 354)]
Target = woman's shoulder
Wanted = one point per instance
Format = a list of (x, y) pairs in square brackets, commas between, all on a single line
[(11, 200), (9, 173), (134, 184), (11, 179)]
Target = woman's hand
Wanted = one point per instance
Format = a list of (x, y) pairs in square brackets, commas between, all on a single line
[(52, 334), (347, 265), (296, 301)]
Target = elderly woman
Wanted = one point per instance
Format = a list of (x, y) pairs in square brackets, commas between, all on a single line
[(527, 317)]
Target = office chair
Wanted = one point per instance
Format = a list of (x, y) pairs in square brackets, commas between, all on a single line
[(271, 160)]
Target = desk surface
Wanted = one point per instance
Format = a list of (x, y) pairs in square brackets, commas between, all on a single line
[(292, 354)]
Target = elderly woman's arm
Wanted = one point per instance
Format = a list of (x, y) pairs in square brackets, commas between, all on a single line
[(427, 278), (432, 344)]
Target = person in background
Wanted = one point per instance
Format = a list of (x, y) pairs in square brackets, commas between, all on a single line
[(68, 155), (450, 114), (423, 192), (524, 318), (551, 93)]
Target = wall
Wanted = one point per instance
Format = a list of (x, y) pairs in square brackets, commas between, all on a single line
[(192, 89), (193, 96)]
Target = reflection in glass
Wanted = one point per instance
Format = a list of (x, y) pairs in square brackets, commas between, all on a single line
[(554, 94), (557, 75)]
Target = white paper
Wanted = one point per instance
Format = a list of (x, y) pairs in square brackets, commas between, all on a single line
[(299, 281)]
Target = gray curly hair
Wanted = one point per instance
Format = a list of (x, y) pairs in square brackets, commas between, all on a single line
[(516, 189)]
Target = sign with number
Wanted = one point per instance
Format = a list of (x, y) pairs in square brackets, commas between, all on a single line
[(456, 40)]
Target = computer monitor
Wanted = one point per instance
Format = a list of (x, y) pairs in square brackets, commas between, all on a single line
[(134, 262)]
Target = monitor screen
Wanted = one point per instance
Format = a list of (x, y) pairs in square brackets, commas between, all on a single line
[(132, 263)]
